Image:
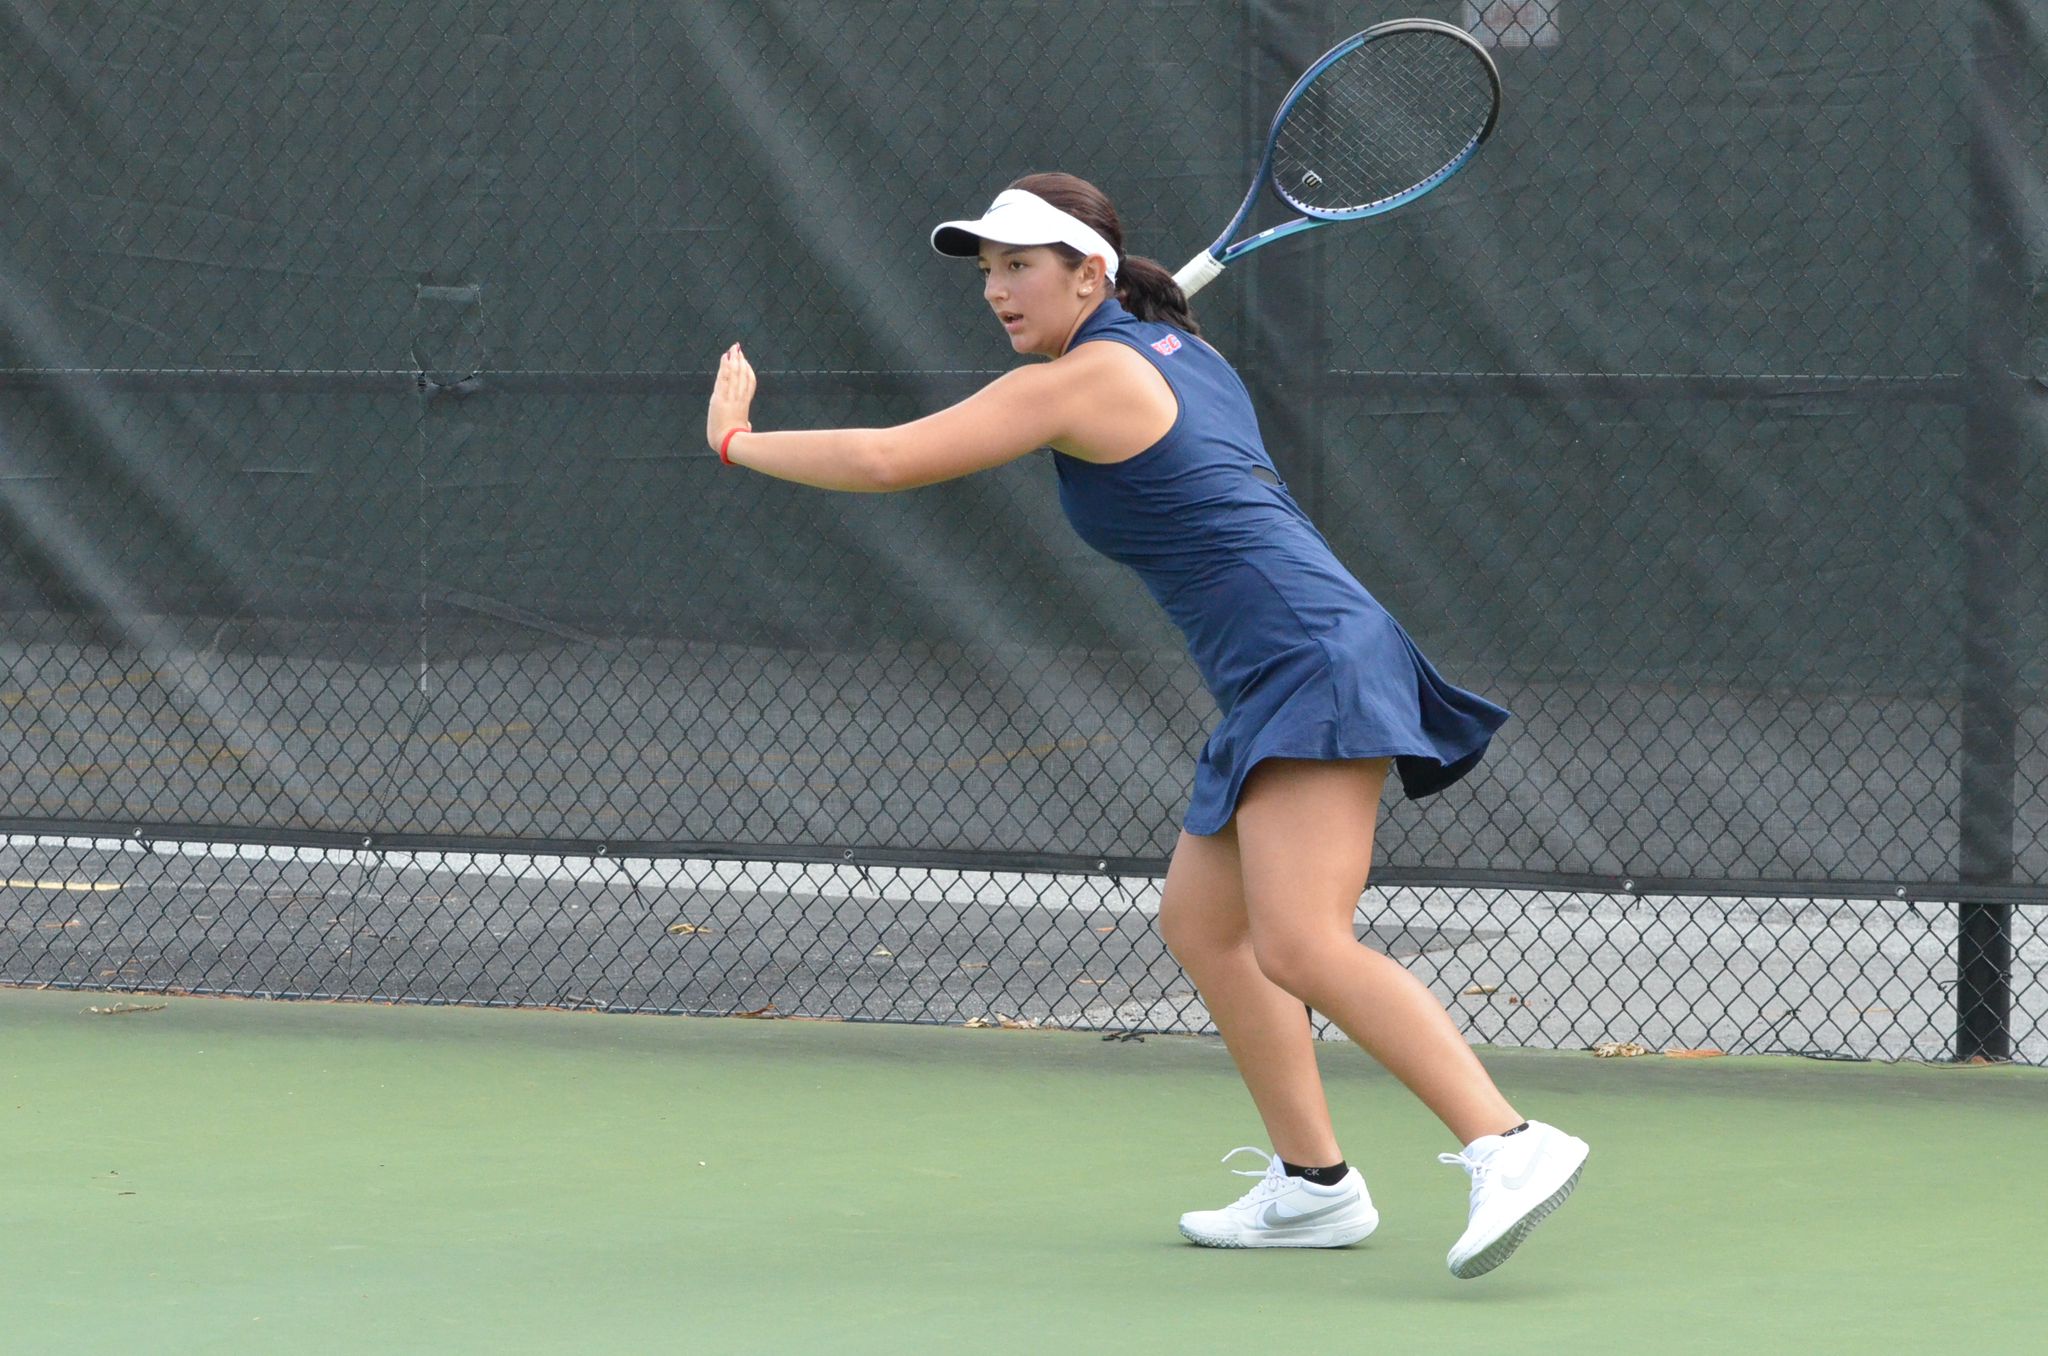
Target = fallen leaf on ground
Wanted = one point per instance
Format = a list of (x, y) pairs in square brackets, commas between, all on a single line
[(1701, 1053), (998, 1020), (1619, 1050)]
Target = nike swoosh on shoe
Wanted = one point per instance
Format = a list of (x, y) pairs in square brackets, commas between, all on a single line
[(1521, 1179), (1271, 1218), (1528, 1172)]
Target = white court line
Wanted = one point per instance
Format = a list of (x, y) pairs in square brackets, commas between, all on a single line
[(895, 883), (1438, 906)]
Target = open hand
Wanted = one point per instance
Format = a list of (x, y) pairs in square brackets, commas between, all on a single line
[(732, 395)]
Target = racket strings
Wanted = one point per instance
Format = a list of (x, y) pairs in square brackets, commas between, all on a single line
[(1386, 122), (1382, 120), (1380, 128)]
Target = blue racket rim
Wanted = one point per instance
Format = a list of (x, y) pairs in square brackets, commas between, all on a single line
[(1223, 252)]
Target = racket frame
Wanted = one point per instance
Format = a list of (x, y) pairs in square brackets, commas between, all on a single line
[(1204, 267)]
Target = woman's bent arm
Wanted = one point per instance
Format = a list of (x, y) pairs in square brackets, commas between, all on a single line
[(824, 458), (1019, 412)]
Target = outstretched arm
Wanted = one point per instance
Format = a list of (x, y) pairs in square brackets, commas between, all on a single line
[(1017, 413)]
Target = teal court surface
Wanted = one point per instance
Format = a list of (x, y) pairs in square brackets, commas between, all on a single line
[(212, 1175)]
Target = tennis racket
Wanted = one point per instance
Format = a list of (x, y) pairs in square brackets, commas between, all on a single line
[(1380, 119)]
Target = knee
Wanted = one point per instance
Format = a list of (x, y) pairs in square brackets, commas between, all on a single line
[(1195, 936), (1293, 959)]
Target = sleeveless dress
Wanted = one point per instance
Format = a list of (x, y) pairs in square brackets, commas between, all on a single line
[(1301, 660)]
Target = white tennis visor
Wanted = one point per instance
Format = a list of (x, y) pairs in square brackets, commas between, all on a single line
[(1018, 217)]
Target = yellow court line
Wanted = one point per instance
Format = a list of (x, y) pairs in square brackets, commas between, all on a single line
[(238, 753), (40, 694), (1071, 744), (98, 887), (154, 762), (895, 763), (481, 732), (345, 732), (198, 750)]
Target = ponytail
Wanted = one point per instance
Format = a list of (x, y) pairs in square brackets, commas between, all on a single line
[(1149, 292)]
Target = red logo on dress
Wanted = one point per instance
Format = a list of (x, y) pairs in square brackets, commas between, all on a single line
[(1170, 344)]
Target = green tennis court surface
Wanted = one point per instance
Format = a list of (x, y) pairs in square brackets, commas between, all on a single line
[(222, 1176)]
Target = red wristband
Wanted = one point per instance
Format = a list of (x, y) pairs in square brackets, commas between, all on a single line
[(726, 442)]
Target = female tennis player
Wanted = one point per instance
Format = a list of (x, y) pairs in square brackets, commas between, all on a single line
[(1322, 694)]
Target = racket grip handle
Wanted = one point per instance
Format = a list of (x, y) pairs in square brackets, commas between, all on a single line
[(1198, 272)]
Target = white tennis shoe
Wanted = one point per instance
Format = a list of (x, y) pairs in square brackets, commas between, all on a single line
[(1516, 1181), (1285, 1212)]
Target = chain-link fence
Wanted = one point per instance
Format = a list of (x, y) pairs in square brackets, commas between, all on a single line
[(356, 519)]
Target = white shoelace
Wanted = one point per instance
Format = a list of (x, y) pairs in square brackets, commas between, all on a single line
[(1478, 1167), (1271, 1181)]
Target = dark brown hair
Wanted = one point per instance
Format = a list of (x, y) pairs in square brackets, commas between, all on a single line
[(1145, 288)]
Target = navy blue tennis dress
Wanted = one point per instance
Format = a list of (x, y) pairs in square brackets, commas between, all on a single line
[(1301, 660)]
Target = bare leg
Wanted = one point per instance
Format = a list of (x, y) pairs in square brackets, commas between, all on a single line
[(1266, 1029), (1304, 838)]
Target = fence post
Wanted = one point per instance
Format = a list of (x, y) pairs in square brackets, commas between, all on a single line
[(1996, 429)]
